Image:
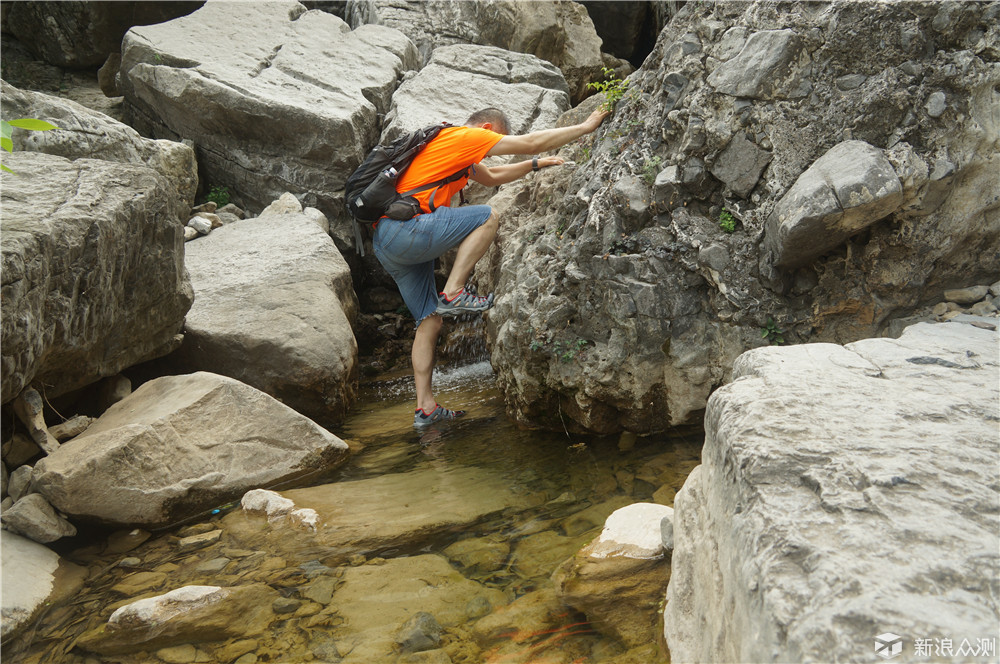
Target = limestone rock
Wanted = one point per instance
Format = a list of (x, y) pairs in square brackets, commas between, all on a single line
[(632, 532), (17, 485), (94, 278), (846, 190), (374, 601), (533, 612), (107, 75), (33, 517), (824, 512), (34, 577), (300, 101), (85, 133), (969, 295), (19, 450), (621, 576), (295, 299), (478, 555), (535, 556), (420, 632), (740, 165), (459, 80), (770, 66), (660, 314), (559, 32), (112, 390), (185, 615), (178, 445), (29, 409), (74, 426), (80, 35), (200, 224), (352, 517)]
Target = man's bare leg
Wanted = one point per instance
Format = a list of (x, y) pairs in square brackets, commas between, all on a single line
[(472, 248), (422, 356)]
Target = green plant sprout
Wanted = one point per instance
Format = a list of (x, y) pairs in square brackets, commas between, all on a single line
[(770, 331), (7, 129), (727, 221), (613, 88), (567, 352), (219, 196), (650, 169)]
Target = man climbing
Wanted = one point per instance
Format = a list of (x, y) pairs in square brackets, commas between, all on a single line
[(407, 249)]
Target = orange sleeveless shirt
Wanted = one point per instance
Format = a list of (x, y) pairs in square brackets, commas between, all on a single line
[(453, 148)]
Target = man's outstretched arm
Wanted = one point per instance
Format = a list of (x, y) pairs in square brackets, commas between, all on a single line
[(547, 139), (494, 176)]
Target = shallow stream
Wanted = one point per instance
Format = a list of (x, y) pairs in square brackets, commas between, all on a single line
[(557, 489)]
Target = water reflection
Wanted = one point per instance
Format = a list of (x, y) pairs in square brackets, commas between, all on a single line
[(488, 558)]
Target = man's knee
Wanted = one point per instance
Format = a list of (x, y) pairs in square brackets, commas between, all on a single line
[(492, 223)]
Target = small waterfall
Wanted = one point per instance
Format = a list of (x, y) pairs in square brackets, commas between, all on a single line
[(465, 342)]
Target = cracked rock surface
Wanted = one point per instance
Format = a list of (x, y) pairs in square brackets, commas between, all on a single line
[(844, 492)]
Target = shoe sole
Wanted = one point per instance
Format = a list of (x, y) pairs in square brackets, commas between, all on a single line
[(450, 313)]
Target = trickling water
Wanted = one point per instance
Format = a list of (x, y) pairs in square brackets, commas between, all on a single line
[(346, 605), (465, 343)]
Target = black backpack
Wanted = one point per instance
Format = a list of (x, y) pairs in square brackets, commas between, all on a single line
[(370, 191)]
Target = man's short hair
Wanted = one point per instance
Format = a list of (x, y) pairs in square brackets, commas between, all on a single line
[(494, 116)]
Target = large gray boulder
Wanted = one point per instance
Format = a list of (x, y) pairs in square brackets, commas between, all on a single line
[(86, 133), (93, 270), (621, 302), (462, 79), (846, 190), (177, 446), (274, 308), (557, 31), (79, 34), (35, 578), (844, 492), (277, 98)]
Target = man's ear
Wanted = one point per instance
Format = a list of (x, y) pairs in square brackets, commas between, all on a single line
[(487, 125)]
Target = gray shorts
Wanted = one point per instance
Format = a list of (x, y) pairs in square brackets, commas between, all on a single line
[(407, 250)]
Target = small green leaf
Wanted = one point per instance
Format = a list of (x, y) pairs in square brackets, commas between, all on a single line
[(32, 124), (7, 144), (6, 169)]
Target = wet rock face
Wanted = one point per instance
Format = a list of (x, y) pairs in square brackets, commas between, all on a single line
[(34, 578), (93, 270), (295, 108), (621, 299), (843, 492), (185, 615)]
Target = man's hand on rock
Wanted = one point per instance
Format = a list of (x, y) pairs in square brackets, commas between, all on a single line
[(550, 161), (595, 119)]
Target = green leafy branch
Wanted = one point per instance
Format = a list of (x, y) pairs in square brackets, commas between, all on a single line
[(613, 88), (7, 129)]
